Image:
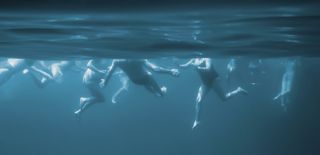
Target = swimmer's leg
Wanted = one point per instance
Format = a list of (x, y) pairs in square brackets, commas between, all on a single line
[(283, 97), (83, 102), (235, 92), (97, 97), (125, 86), (280, 95), (226, 96), (203, 91)]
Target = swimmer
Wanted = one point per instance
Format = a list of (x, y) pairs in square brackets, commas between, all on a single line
[(138, 71), (209, 78), (58, 68), (91, 79), (286, 85), (25, 66)]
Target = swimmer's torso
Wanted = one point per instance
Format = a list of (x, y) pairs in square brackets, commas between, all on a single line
[(91, 76), (207, 75), (135, 69)]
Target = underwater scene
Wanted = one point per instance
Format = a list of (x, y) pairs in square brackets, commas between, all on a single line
[(221, 80)]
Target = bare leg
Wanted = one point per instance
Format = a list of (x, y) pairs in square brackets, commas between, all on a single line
[(226, 96), (97, 97), (125, 86), (285, 89), (235, 92), (280, 95), (203, 91)]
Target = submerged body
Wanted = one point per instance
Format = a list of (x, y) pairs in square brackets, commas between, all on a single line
[(137, 71), (91, 79), (57, 69), (209, 78), (20, 65), (286, 84)]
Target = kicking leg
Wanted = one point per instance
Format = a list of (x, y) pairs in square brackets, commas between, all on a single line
[(83, 102), (203, 90), (226, 96), (125, 86), (281, 95), (97, 97), (235, 92)]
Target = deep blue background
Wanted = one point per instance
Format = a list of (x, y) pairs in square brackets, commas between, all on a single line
[(38, 121)]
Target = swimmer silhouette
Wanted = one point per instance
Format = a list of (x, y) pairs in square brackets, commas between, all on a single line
[(286, 85), (209, 78), (91, 79), (25, 66), (138, 72)]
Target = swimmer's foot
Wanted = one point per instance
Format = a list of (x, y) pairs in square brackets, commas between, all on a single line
[(277, 97), (114, 101), (195, 124), (281, 95), (77, 113), (164, 90), (82, 104)]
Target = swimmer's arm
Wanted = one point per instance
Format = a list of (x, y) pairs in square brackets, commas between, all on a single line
[(94, 68), (190, 62), (207, 65), (43, 73), (159, 69), (109, 73)]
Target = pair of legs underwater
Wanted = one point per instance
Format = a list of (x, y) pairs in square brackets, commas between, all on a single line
[(130, 69), (96, 97), (216, 87), (210, 80)]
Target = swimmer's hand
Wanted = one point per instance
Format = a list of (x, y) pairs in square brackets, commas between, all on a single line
[(102, 83), (175, 72), (25, 71), (103, 71)]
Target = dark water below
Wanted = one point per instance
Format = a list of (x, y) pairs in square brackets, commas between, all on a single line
[(270, 31)]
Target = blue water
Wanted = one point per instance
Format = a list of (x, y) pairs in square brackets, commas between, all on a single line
[(256, 30), (41, 121)]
